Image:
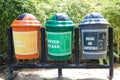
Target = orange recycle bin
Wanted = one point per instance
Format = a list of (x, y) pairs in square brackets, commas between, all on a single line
[(26, 37)]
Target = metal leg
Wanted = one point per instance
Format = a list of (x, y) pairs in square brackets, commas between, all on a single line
[(10, 73), (111, 61), (43, 55), (10, 53), (76, 46), (59, 73)]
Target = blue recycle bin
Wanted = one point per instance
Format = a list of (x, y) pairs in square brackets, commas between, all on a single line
[(93, 32)]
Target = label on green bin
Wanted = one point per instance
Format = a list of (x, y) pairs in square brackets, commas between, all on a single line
[(94, 41), (59, 43)]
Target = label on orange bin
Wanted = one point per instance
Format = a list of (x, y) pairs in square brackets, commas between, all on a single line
[(25, 43)]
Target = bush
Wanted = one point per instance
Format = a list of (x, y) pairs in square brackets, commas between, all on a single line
[(10, 9), (111, 13)]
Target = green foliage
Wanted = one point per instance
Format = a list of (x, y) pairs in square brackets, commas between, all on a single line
[(42, 9), (111, 13), (9, 10)]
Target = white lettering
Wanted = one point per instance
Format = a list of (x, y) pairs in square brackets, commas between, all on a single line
[(53, 46), (90, 38), (54, 41), (91, 48), (89, 43)]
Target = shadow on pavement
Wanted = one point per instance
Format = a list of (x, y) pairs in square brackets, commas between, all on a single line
[(63, 78), (91, 79), (36, 77)]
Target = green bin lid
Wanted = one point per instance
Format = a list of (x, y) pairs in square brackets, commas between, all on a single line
[(59, 20)]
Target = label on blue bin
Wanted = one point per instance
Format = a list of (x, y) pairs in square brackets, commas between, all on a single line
[(59, 43), (94, 41)]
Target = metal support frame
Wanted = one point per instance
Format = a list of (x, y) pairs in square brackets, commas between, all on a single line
[(77, 46), (11, 75), (43, 63), (59, 73), (111, 60), (10, 51), (43, 55)]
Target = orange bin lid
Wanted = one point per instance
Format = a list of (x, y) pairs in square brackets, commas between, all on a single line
[(26, 19)]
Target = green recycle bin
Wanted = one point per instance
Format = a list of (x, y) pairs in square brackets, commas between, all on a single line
[(59, 30), (93, 30)]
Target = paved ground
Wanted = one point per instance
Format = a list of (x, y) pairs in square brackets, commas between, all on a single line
[(68, 74)]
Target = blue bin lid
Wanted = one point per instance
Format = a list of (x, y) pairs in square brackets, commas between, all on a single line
[(93, 18)]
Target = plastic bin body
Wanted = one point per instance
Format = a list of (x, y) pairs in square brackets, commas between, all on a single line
[(59, 29), (93, 32), (26, 37)]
